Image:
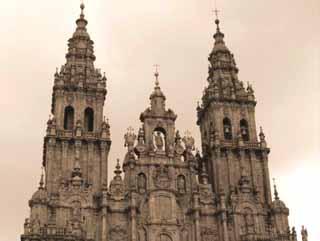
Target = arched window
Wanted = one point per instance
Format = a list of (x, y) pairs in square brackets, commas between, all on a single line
[(244, 129), (88, 119), (68, 118), (227, 129)]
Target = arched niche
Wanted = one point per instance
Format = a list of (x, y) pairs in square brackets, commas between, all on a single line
[(244, 129), (159, 139), (247, 218), (88, 119), (68, 118), (227, 129)]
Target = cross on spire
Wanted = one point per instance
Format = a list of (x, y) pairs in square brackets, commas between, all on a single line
[(156, 74), (82, 6), (216, 12)]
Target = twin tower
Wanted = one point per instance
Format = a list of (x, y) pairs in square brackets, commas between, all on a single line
[(168, 192)]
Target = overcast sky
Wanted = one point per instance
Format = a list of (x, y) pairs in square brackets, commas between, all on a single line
[(275, 43)]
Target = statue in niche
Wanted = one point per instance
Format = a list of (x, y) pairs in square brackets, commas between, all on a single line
[(142, 183), (181, 184), (159, 141)]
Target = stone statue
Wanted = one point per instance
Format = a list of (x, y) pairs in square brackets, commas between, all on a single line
[(304, 234), (159, 141)]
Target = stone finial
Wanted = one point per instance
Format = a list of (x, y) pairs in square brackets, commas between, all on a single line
[(104, 78), (276, 194), (156, 74), (118, 171), (76, 172), (41, 183), (204, 174), (188, 140), (262, 137)]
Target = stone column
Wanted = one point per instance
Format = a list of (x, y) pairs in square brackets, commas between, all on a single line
[(64, 161), (242, 164), (230, 167), (197, 217), (104, 229), (267, 187), (133, 215), (255, 182), (50, 164), (224, 216), (104, 163), (77, 149), (90, 163)]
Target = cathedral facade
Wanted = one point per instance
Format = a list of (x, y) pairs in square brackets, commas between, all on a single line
[(165, 190)]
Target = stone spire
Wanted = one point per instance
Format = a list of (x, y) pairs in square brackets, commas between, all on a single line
[(79, 70), (117, 171), (41, 183), (223, 74), (157, 97)]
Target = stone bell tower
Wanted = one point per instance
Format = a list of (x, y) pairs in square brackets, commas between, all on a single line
[(76, 147), (237, 161)]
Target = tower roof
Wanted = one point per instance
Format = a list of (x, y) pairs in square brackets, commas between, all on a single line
[(277, 204), (223, 81), (157, 90), (158, 103), (80, 44), (219, 43), (79, 71)]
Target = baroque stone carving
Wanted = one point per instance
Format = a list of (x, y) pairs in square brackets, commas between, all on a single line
[(208, 234), (161, 176), (118, 233)]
